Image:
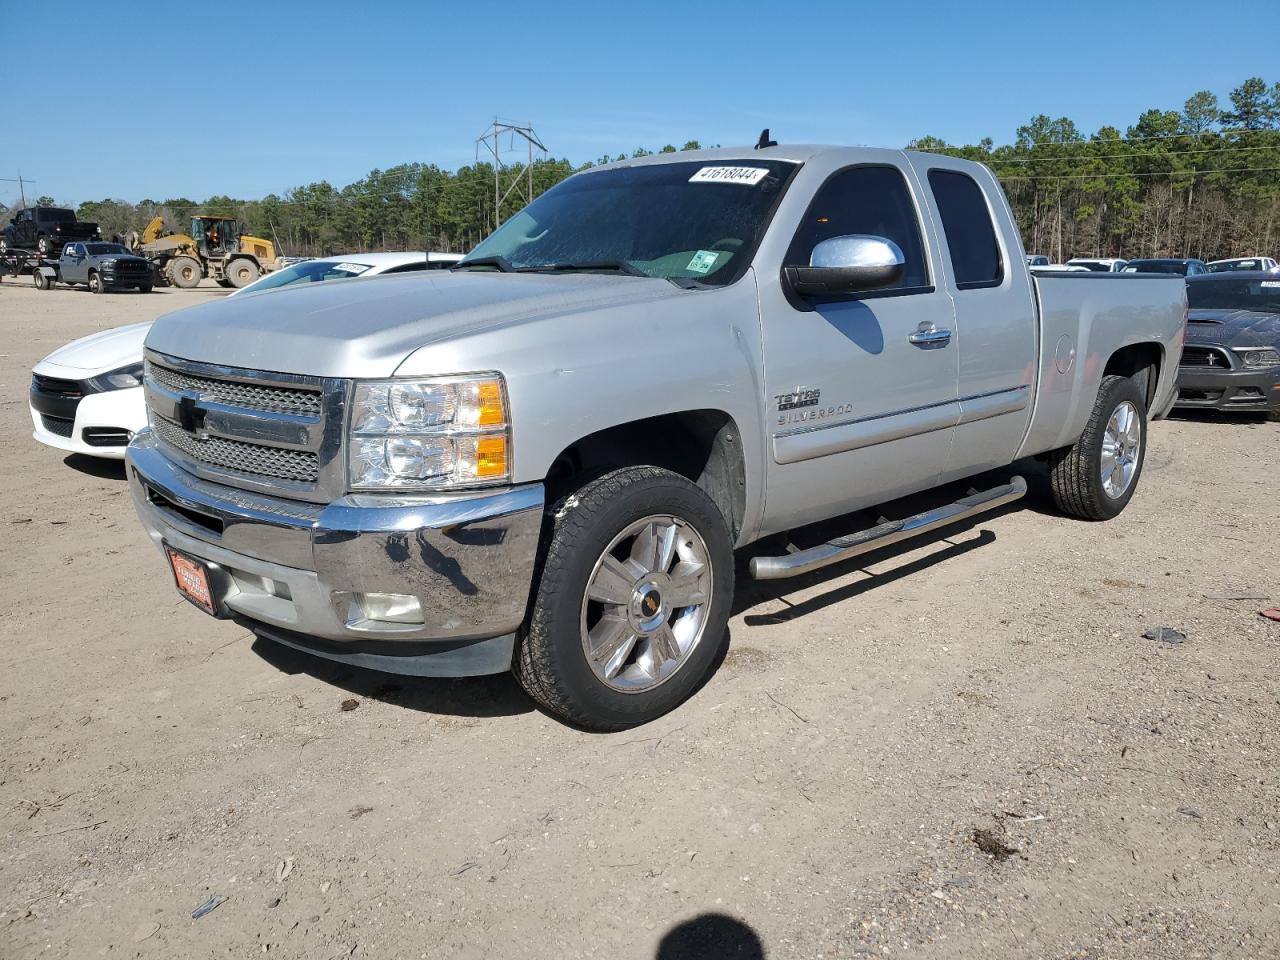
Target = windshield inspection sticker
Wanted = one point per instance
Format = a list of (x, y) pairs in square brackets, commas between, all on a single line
[(749, 176), (703, 261)]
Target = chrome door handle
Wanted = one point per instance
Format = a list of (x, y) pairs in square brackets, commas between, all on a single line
[(927, 335)]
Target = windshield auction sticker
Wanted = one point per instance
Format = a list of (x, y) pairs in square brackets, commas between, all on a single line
[(748, 176), (703, 261)]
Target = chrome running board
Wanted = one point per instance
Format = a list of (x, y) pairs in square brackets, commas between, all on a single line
[(864, 541)]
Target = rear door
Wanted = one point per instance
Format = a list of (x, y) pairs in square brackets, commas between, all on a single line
[(996, 323), (859, 408)]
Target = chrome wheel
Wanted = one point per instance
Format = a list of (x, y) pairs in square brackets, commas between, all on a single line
[(1121, 446), (646, 603)]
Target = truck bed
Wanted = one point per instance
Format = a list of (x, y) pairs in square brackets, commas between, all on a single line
[(1084, 319)]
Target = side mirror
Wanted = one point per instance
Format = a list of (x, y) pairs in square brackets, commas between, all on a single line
[(848, 264)]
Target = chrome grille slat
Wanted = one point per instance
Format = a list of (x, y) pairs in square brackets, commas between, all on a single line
[(250, 458), (251, 396)]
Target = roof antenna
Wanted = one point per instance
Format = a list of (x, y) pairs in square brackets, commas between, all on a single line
[(764, 140)]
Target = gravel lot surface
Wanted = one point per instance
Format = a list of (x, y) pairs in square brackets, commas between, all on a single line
[(964, 748)]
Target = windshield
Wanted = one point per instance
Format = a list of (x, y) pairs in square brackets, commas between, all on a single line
[(311, 271), (1234, 293), (693, 221), (98, 249), (1228, 265), (1156, 266)]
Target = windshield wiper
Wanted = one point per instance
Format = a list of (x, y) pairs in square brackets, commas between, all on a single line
[(618, 266), (500, 263)]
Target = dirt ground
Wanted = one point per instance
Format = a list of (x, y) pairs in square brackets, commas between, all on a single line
[(962, 748)]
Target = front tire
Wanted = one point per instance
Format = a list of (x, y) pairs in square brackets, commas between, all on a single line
[(242, 272), (95, 283), (185, 272), (1095, 479), (632, 602)]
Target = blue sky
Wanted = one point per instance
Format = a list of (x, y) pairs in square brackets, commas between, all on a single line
[(173, 100)]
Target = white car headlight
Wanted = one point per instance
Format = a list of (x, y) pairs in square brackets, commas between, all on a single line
[(1258, 356), (434, 433)]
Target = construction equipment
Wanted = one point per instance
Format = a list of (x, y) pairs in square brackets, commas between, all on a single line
[(214, 248)]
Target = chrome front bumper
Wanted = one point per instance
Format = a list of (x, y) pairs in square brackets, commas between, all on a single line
[(292, 570)]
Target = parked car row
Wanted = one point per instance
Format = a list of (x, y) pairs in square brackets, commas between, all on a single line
[(1183, 266)]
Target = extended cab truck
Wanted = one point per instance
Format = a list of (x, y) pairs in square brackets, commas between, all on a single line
[(45, 230), (99, 266), (544, 459)]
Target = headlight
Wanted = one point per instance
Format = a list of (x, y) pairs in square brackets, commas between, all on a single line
[(1258, 357), (106, 263), (125, 377), (429, 434)]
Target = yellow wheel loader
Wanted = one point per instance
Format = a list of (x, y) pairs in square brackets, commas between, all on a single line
[(215, 248)]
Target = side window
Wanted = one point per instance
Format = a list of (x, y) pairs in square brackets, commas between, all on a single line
[(971, 236), (867, 200), (408, 267)]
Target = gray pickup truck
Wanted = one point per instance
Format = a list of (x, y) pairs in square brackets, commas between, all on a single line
[(544, 460), (99, 266)]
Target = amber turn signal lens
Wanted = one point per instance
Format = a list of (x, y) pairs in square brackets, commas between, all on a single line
[(491, 457), (489, 403)]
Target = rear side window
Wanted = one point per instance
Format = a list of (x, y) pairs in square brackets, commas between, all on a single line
[(408, 267), (866, 200), (971, 236)]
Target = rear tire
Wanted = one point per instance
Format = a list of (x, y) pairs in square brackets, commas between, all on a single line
[(1095, 479), (242, 272), (40, 280), (95, 283), (658, 547), (185, 272)]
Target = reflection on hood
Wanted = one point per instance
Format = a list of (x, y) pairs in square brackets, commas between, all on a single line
[(1234, 328)]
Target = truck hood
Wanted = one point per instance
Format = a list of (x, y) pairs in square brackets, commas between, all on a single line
[(99, 352), (1233, 328), (366, 327)]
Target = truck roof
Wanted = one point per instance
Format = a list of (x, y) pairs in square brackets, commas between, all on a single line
[(794, 152)]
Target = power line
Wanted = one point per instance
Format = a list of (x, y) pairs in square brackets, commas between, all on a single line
[(1130, 156), (1158, 173)]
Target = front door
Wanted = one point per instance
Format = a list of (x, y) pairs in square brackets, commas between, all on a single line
[(73, 265), (860, 391)]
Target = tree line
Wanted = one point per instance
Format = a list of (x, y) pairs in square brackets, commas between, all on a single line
[(1202, 181)]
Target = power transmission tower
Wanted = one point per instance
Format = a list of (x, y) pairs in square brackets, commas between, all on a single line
[(22, 186), (492, 140)]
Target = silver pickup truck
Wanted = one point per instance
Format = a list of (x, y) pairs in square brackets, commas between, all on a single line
[(543, 460)]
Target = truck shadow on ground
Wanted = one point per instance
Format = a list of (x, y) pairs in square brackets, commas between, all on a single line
[(751, 593), (495, 696), (96, 466)]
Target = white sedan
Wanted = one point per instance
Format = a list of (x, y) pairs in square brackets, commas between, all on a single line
[(87, 398)]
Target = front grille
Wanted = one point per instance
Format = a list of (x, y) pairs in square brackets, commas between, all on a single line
[(57, 387), (58, 426), (249, 458), (1204, 357), (131, 266), (251, 396)]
